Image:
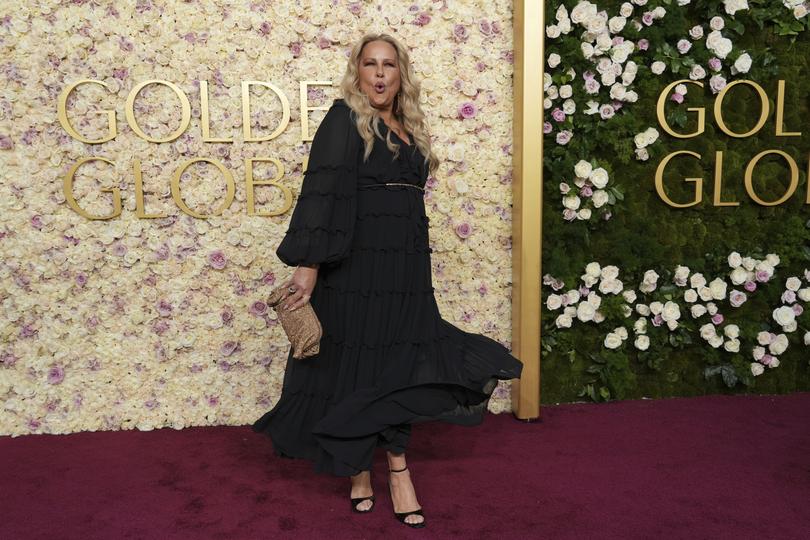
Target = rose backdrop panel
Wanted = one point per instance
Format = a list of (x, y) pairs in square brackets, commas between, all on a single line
[(644, 298), (143, 323)]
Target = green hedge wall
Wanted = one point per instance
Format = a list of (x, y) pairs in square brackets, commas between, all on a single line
[(644, 233)]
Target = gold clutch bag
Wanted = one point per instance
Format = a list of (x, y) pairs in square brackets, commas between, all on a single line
[(302, 326)]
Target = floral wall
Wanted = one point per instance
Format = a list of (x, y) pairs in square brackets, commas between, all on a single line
[(644, 297), (144, 323)]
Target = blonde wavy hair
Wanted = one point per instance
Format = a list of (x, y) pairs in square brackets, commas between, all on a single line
[(410, 113)]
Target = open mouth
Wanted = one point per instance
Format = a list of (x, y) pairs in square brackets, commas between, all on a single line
[(379, 87)]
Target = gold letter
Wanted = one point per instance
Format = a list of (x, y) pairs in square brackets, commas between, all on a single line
[(61, 108), (780, 113), (659, 181), (662, 120), (305, 108), (184, 104), (67, 188), (176, 187), (205, 120), (250, 183), (749, 182), (764, 109), (285, 111), (718, 182), (139, 204)]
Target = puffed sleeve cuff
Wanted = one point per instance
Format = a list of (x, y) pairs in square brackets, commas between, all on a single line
[(322, 223)]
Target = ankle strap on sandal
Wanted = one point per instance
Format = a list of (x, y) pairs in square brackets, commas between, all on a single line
[(400, 470)]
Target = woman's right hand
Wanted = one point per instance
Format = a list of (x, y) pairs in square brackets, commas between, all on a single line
[(303, 281)]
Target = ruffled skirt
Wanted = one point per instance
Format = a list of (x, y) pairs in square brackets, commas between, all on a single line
[(387, 359)]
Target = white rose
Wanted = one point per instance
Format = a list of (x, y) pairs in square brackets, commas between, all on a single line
[(554, 301), (671, 312), (563, 321), (565, 91), (807, 338), (583, 169), (707, 331), (553, 31), (778, 345), (793, 283), (573, 296), (697, 72), (599, 177), (690, 296), (587, 50), (553, 60), (594, 300), (618, 91), (629, 296), (585, 311), (697, 280), (717, 23), (600, 198), (598, 317), (732, 331), (718, 288), (738, 275), (610, 271), (642, 342), (804, 295), (705, 293), (640, 326), (621, 331), (716, 341), (613, 341), (626, 9), (643, 309), (711, 308), (696, 32), (658, 67), (734, 259), (681, 275), (758, 353), (583, 11), (732, 345), (757, 368), (764, 338), (571, 201), (569, 107), (656, 307), (616, 24), (749, 263), (593, 269), (584, 213), (784, 315), (742, 64), (733, 6), (698, 310)]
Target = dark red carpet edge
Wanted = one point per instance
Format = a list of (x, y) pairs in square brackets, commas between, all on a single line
[(708, 467)]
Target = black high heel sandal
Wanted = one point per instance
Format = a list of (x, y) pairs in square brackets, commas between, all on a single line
[(402, 515), (357, 500)]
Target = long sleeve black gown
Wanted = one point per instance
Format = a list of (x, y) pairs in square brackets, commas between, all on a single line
[(387, 359)]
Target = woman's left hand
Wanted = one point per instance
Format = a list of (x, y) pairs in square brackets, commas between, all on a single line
[(303, 281)]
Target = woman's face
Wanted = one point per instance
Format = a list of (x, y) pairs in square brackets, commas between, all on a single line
[(379, 74)]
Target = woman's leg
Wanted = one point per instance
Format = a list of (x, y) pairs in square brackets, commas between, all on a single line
[(402, 491), (361, 487)]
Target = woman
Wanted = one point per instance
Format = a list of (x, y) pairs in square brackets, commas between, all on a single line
[(359, 238)]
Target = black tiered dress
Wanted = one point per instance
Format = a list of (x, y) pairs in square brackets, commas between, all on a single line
[(387, 359)]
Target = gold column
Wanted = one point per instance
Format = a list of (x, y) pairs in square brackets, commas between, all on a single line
[(527, 198)]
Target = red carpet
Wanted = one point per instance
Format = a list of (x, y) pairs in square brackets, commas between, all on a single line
[(709, 467)]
